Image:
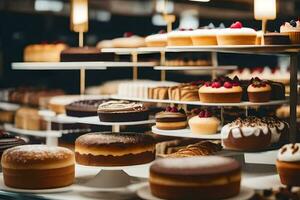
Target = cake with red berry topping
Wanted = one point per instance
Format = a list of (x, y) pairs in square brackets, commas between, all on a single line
[(181, 37), (293, 29), (129, 41), (259, 90), (237, 35), (204, 123), (221, 90), (171, 119), (157, 40)]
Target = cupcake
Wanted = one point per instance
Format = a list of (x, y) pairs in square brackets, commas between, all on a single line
[(259, 91), (288, 164), (181, 37), (157, 40), (292, 28), (237, 35), (171, 119), (221, 90), (204, 123)]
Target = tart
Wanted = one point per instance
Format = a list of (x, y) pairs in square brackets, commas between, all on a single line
[(236, 35), (208, 177), (288, 164), (181, 37), (204, 37), (292, 28), (259, 91), (122, 111), (253, 133), (157, 40), (204, 123), (221, 90), (114, 149), (171, 119)]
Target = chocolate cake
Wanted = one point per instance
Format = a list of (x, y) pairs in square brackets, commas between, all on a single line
[(122, 111), (84, 54), (276, 39), (83, 108), (114, 149)]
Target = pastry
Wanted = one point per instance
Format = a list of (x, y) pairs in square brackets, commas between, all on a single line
[(259, 91), (221, 90), (122, 111), (38, 167), (83, 108), (74, 54), (8, 141), (204, 123), (288, 164), (276, 39), (157, 40), (114, 149), (129, 41), (208, 177), (204, 37), (43, 52), (292, 28), (253, 133), (29, 119), (171, 119), (236, 35), (181, 37)]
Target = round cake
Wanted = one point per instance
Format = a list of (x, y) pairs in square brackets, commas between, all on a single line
[(208, 177), (157, 40), (204, 123), (204, 37), (171, 119), (114, 149), (259, 91), (38, 167), (83, 108), (288, 164), (253, 133), (221, 90), (129, 41), (122, 111), (181, 37), (236, 35)]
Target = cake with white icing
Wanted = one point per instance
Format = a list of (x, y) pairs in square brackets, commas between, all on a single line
[(181, 37), (157, 40), (253, 133), (288, 164)]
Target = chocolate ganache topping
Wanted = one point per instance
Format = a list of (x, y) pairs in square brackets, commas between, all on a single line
[(254, 126)]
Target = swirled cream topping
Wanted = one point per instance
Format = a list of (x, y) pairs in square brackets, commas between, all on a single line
[(112, 106), (289, 153)]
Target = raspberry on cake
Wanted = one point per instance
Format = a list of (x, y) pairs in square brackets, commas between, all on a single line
[(171, 119), (221, 90), (204, 123)]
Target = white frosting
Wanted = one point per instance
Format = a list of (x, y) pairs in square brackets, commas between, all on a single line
[(205, 32), (179, 34), (156, 37), (289, 153), (287, 27), (237, 31)]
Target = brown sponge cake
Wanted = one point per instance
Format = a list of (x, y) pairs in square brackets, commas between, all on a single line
[(208, 177), (114, 149), (38, 167)]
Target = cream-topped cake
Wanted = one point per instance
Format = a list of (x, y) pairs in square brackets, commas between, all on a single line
[(204, 37), (204, 123), (157, 40), (181, 37), (293, 29)]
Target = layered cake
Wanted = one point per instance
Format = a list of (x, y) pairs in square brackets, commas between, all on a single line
[(129, 40), (74, 54), (204, 123), (171, 119), (259, 91), (84, 108), (157, 40), (29, 119), (114, 149), (208, 177), (236, 35), (43, 52), (181, 37), (38, 167), (122, 111), (288, 164), (8, 141), (292, 28), (221, 90), (277, 39), (204, 37), (253, 133)]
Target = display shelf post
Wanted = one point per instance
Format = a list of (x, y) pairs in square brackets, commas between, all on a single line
[(82, 70), (134, 57), (115, 128), (214, 62), (163, 63), (293, 96)]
